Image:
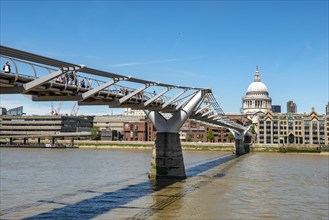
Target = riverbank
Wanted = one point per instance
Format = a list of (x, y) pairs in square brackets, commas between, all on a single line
[(192, 146), (204, 146)]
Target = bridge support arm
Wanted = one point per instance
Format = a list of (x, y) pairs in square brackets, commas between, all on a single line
[(97, 89), (240, 146), (173, 99), (167, 158), (155, 97), (37, 82)]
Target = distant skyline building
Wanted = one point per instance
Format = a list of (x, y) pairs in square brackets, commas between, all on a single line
[(291, 107), (276, 108), (257, 98), (133, 112), (18, 111), (327, 109), (3, 111)]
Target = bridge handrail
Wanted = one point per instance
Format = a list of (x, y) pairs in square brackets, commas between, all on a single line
[(76, 81), (212, 108), (7, 51)]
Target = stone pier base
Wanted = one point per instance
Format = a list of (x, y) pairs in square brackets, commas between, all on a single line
[(239, 147), (167, 159)]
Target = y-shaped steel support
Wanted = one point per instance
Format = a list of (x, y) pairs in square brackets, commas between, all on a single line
[(167, 159), (240, 147)]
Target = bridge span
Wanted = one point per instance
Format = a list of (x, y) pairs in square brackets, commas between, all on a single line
[(45, 79)]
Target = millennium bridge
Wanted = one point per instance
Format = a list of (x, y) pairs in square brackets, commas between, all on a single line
[(167, 106)]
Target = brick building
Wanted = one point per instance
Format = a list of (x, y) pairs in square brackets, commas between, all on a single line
[(144, 130)]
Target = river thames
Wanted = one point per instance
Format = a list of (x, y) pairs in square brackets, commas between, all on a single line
[(113, 184)]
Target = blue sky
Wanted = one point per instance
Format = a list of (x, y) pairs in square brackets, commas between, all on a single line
[(212, 44)]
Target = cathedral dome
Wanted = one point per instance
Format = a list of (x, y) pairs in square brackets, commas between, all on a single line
[(257, 87), (257, 97)]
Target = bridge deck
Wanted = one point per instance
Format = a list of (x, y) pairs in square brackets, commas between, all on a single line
[(109, 92)]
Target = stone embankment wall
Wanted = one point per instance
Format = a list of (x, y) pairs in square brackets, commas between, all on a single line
[(197, 146), (203, 146), (150, 144)]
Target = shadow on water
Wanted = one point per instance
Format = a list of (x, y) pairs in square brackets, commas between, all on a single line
[(101, 204)]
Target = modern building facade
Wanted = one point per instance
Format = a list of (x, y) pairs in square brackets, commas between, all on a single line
[(276, 108), (276, 128), (3, 111), (115, 122), (133, 112), (14, 111), (257, 98), (291, 107), (48, 124)]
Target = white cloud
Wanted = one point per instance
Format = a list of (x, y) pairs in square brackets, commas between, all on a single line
[(44, 108), (143, 63)]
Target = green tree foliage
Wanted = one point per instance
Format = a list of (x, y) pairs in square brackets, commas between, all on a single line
[(252, 129), (95, 134), (210, 136), (230, 137), (189, 139)]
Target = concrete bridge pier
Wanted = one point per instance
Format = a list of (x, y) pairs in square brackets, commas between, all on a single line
[(240, 146), (167, 158)]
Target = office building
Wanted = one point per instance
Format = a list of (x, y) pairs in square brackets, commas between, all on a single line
[(276, 108), (276, 128), (14, 111), (291, 107), (49, 124)]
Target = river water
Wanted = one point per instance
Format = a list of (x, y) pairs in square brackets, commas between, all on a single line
[(113, 184)]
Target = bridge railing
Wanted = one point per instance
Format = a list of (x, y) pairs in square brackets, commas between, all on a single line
[(23, 68), (49, 78), (75, 79)]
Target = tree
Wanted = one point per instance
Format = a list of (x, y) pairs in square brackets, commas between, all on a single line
[(252, 129), (230, 137), (210, 135), (189, 139), (95, 133)]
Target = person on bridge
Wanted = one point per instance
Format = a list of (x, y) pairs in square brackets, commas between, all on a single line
[(6, 67), (82, 83), (89, 84)]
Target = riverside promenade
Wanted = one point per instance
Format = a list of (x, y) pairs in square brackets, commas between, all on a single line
[(202, 146), (192, 146)]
